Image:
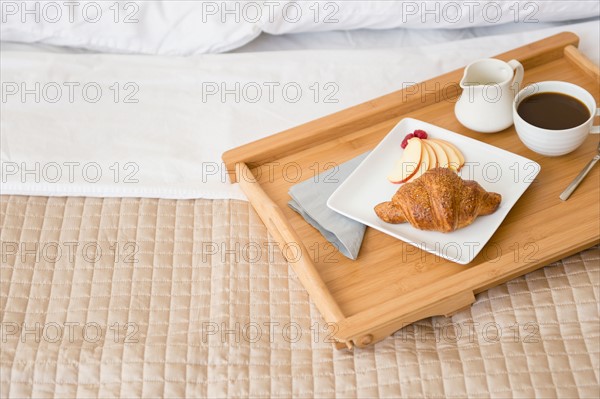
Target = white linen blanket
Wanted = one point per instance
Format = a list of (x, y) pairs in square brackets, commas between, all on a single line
[(137, 126)]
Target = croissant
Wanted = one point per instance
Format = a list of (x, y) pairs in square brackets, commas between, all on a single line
[(439, 200)]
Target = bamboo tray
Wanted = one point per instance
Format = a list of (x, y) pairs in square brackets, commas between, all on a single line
[(393, 284)]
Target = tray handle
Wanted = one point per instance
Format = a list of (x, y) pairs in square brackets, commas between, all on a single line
[(577, 58), (290, 245)]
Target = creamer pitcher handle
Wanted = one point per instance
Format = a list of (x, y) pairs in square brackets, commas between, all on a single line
[(519, 72)]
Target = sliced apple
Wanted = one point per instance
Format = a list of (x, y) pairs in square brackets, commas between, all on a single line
[(425, 164), (442, 157), (408, 165), (453, 158), (461, 157), (433, 162)]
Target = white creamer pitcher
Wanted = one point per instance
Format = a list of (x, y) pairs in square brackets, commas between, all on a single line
[(489, 89)]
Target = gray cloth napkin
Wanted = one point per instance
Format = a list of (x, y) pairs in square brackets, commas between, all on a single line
[(309, 199)]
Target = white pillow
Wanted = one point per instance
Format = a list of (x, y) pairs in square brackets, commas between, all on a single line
[(323, 15), (147, 27), (196, 27)]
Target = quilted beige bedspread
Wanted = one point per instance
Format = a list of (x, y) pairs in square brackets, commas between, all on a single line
[(140, 297)]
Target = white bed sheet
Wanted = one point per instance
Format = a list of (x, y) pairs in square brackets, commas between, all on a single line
[(388, 38), (169, 143)]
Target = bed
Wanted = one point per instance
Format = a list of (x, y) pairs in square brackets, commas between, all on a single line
[(132, 267)]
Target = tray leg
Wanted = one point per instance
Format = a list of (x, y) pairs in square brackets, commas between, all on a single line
[(343, 345), (457, 311), (449, 306)]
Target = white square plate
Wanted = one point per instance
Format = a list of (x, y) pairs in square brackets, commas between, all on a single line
[(494, 169)]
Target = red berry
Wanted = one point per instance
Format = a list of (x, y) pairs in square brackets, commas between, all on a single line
[(422, 134), (405, 141)]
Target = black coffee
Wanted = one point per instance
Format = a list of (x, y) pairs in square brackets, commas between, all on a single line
[(553, 111)]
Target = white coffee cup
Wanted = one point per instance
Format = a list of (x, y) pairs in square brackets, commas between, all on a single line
[(555, 142)]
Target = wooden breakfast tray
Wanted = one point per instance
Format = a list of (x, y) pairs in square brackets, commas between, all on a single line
[(392, 284)]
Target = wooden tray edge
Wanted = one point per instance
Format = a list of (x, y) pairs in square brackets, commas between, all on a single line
[(291, 246), (390, 317), (577, 58)]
